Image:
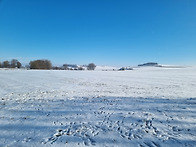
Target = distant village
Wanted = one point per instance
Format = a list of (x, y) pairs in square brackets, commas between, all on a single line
[(73, 67)]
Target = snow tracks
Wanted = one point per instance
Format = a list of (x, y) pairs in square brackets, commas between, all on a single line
[(103, 121)]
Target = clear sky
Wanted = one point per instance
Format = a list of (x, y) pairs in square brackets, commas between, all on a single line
[(106, 32)]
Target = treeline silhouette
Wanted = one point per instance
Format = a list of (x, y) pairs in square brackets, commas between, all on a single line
[(14, 63), (45, 64)]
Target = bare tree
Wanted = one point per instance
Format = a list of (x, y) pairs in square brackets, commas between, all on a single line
[(91, 66), (18, 64), (0, 65), (6, 64), (13, 63)]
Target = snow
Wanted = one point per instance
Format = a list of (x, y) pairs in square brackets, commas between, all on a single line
[(106, 68), (144, 107)]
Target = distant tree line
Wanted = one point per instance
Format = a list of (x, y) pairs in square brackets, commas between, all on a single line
[(90, 66), (149, 64), (45, 64), (14, 63)]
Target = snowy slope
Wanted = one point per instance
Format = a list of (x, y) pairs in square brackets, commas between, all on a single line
[(144, 107)]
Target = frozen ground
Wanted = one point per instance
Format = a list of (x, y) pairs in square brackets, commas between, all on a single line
[(150, 107)]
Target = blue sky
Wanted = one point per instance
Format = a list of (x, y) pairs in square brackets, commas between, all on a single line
[(106, 32)]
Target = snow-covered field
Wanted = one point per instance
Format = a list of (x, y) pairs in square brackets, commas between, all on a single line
[(146, 107)]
